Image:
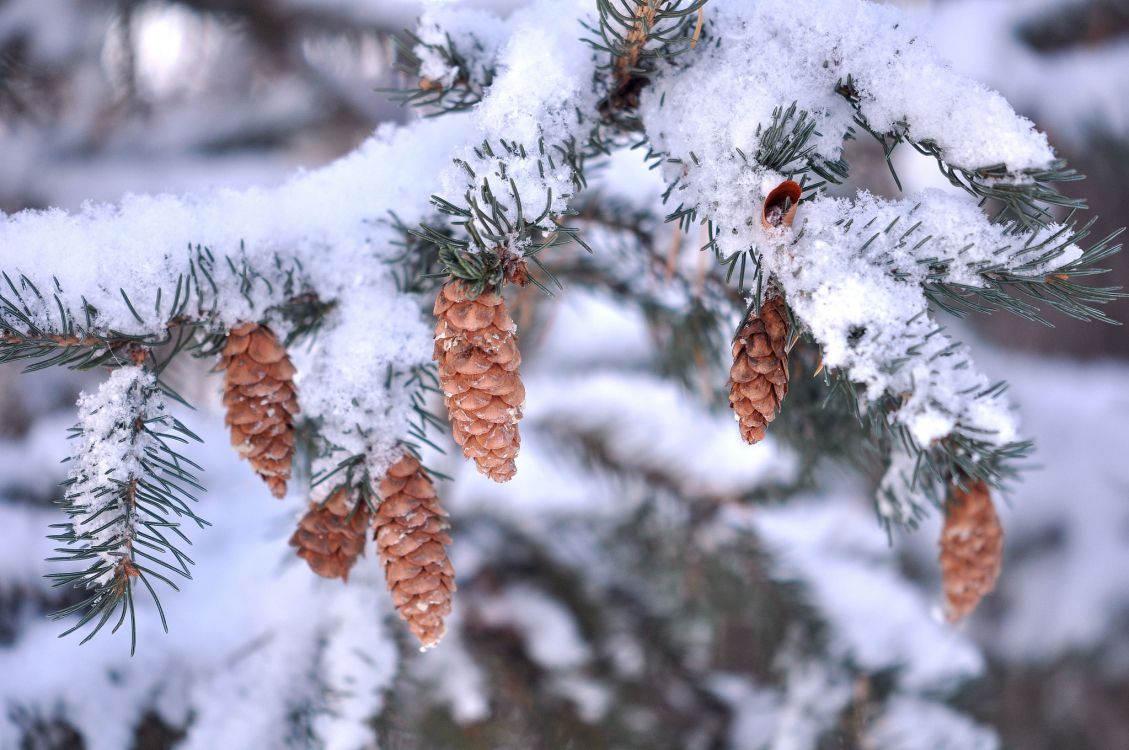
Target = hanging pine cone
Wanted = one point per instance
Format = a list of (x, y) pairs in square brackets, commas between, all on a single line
[(758, 379), (330, 537), (476, 348), (261, 401), (972, 546), (411, 536)]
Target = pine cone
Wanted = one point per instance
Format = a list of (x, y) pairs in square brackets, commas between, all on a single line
[(331, 537), (476, 348), (972, 546), (411, 536), (261, 401), (758, 379)]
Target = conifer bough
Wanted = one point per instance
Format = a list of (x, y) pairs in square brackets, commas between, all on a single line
[(860, 278)]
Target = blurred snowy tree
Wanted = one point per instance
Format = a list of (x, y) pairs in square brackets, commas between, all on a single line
[(640, 582)]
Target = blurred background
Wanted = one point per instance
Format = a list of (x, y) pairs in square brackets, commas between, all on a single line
[(647, 581)]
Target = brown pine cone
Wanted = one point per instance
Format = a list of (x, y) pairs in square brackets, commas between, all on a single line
[(411, 536), (758, 379), (972, 548), (261, 401), (476, 348), (330, 537)]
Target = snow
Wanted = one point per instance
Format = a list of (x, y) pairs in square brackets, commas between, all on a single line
[(455, 678), (754, 710), (550, 634), (314, 224), (108, 456), (342, 376), (854, 275), (852, 270), (856, 289), (914, 724), (714, 104), (316, 216), (529, 119), (814, 696), (552, 640), (649, 422)]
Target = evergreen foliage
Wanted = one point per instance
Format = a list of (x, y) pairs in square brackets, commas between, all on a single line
[(513, 193)]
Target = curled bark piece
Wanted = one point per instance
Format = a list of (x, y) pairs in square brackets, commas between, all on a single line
[(780, 206)]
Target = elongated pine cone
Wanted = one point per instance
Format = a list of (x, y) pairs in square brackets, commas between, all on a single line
[(758, 379), (261, 401), (330, 537), (411, 536), (972, 547), (476, 348)]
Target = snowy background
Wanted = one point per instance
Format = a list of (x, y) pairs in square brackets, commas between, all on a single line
[(99, 99)]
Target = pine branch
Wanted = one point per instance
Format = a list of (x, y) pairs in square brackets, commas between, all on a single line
[(915, 382), (966, 263), (500, 237), (61, 332), (1026, 196), (466, 77), (1017, 285), (918, 476), (350, 473), (784, 147), (338, 466), (127, 497), (636, 35)]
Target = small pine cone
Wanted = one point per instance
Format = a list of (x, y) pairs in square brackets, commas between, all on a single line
[(330, 537), (411, 536), (261, 401), (972, 546), (476, 348), (758, 379)]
